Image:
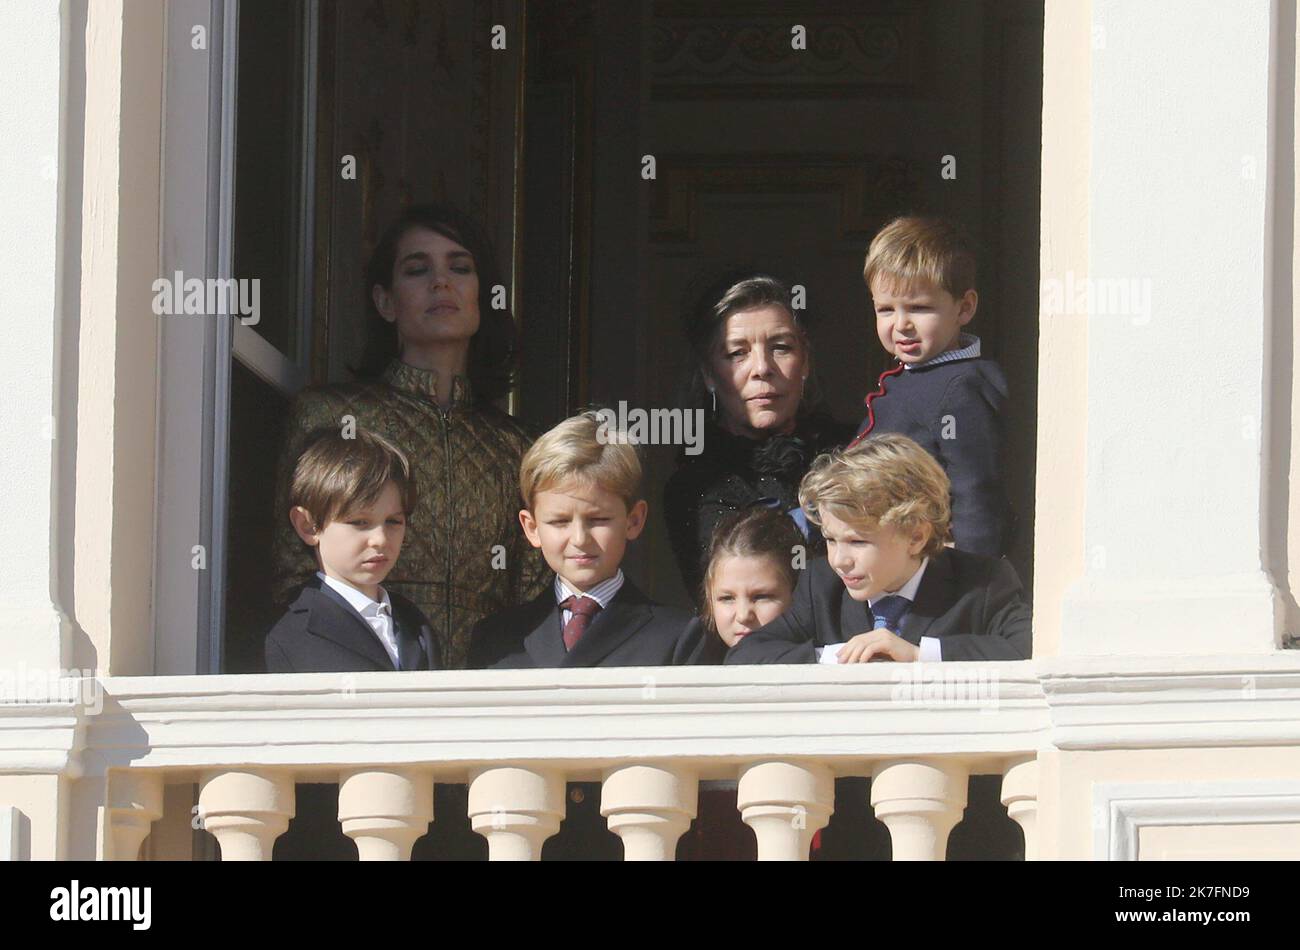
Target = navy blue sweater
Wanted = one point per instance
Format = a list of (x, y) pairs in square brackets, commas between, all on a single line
[(954, 410)]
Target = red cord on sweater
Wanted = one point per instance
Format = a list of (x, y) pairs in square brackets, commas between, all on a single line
[(871, 397)]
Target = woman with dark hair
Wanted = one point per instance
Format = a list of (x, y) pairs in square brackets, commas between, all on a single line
[(437, 357), (753, 368)]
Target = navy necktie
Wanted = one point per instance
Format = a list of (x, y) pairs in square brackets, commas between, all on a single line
[(889, 612), (410, 651)]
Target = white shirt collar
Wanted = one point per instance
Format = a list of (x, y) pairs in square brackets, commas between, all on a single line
[(908, 590), (602, 593), (359, 601)]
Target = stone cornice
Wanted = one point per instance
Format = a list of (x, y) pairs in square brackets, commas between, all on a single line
[(42, 737), (1171, 702)]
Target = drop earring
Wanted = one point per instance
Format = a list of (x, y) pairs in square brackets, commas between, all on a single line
[(713, 394)]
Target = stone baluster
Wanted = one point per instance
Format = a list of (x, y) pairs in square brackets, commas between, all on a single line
[(920, 803), (246, 810), (649, 807), (385, 810), (785, 804), (135, 802), (1020, 796), (516, 809)]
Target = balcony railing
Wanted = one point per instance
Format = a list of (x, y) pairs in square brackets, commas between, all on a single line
[(650, 736)]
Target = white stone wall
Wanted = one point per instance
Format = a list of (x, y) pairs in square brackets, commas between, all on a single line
[(1176, 413), (29, 233)]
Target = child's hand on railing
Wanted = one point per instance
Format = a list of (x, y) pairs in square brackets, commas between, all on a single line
[(879, 644)]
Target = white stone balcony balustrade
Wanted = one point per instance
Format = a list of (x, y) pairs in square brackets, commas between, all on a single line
[(649, 736), (136, 763)]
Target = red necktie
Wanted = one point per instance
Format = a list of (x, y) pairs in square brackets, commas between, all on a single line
[(583, 609)]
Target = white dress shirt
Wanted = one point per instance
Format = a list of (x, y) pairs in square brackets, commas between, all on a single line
[(377, 613), (602, 593), (930, 646)]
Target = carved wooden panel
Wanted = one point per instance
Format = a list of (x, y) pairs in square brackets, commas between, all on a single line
[(737, 49), (869, 187)]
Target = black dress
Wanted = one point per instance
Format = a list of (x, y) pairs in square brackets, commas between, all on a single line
[(734, 472)]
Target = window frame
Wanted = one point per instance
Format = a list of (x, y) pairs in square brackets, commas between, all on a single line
[(195, 356)]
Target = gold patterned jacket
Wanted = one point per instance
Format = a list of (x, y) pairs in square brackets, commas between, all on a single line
[(464, 556)]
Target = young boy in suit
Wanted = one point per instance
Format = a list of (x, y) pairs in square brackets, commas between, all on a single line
[(349, 499), (889, 587), (942, 392), (581, 486)]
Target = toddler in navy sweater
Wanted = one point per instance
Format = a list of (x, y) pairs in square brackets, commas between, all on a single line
[(941, 392)]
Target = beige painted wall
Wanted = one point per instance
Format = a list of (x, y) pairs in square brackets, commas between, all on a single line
[(1264, 842), (118, 343), (1066, 812), (1063, 341)]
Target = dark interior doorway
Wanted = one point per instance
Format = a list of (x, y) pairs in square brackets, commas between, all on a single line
[(785, 159)]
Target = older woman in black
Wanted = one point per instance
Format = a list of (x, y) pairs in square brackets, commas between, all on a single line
[(753, 363)]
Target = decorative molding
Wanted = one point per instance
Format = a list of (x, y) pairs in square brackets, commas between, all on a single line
[(738, 51), (1122, 810), (870, 188), (45, 737), (1172, 702)]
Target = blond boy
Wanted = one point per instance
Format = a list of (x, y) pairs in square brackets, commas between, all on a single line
[(889, 587), (942, 391), (581, 486)]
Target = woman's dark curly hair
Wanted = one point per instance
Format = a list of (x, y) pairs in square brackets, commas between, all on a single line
[(493, 352)]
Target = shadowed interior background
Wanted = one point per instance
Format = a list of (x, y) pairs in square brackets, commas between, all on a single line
[(783, 159)]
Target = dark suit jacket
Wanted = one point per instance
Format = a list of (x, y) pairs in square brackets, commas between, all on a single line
[(632, 631), (971, 602), (699, 646), (322, 633)]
